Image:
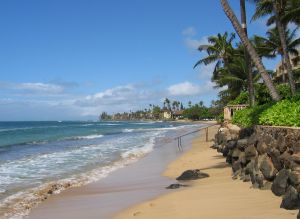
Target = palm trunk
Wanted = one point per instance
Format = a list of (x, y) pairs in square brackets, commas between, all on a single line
[(247, 58), (284, 48), (251, 51), (283, 68)]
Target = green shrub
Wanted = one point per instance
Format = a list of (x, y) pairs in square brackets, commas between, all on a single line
[(283, 113), (242, 98), (249, 116)]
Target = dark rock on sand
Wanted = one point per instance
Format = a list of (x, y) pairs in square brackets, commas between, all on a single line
[(298, 216), (176, 186), (192, 175), (291, 200), (280, 183)]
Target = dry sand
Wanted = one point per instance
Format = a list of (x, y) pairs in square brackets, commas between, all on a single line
[(215, 197)]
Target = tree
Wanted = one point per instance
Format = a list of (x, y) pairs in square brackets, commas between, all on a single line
[(276, 8), (219, 50), (273, 44), (250, 49), (247, 58)]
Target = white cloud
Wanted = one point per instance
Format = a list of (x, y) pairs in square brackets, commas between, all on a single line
[(189, 89), (35, 88), (190, 31), (127, 94), (183, 89)]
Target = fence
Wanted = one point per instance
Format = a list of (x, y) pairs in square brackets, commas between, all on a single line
[(179, 141)]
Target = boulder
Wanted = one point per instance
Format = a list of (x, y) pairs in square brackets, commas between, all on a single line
[(296, 147), (261, 148), (235, 153), (192, 175), (275, 157), (267, 168), (242, 144), (250, 152), (176, 186), (291, 200), (253, 139), (294, 177), (236, 166), (258, 180), (298, 216), (296, 158), (280, 182), (242, 159), (231, 144), (281, 144)]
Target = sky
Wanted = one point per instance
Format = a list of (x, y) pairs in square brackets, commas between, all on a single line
[(73, 59)]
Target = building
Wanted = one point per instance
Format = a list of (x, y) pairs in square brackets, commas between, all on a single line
[(178, 114), (167, 114), (229, 110), (281, 72)]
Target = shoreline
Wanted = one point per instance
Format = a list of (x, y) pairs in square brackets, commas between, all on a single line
[(218, 196), (110, 194)]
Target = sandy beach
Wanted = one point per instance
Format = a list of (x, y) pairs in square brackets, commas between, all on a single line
[(218, 196)]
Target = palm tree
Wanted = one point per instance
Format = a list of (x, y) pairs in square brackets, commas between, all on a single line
[(250, 49), (292, 12), (276, 8), (247, 58), (273, 44), (219, 50)]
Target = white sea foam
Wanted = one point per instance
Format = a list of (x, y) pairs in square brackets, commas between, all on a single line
[(128, 130), (89, 137)]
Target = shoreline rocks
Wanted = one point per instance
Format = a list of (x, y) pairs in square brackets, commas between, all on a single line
[(267, 156), (192, 175)]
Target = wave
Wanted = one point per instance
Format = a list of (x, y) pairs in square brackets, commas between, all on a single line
[(128, 130), (20, 204), (88, 137)]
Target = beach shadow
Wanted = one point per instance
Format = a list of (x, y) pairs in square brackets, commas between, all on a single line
[(217, 166)]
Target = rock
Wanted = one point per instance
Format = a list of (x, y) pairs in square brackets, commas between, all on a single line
[(267, 168), (294, 178), (252, 140), (275, 157), (280, 182), (258, 180), (235, 154), (261, 148), (291, 200), (298, 216), (296, 147), (242, 144), (267, 185), (225, 151), (176, 186), (247, 178), (242, 159), (296, 158), (281, 144), (192, 175), (231, 144), (236, 165), (250, 152)]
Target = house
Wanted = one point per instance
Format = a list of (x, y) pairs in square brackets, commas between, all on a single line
[(229, 110), (167, 114), (281, 72), (178, 114)]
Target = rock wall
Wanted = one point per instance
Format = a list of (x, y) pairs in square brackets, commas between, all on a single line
[(268, 157)]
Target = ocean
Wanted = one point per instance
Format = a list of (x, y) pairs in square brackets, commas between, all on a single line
[(41, 158)]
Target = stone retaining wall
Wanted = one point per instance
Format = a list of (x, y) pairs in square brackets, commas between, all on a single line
[(268, 157)]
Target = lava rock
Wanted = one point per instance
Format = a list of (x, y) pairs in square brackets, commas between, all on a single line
[(242, 144), (192, 175), (250, 152), (280, 183), (267, 169), (262, 148), (294, 178), (291, 200), (176, 186)]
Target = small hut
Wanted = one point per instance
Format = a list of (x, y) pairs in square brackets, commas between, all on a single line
[(229, 110)]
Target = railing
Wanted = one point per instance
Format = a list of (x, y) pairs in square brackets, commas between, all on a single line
[(179, 142)]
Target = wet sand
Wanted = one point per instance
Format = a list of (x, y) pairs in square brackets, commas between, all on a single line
[(215, 197), (123, 188)]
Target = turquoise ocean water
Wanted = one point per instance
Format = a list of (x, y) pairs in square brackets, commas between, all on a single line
[(36, 156)]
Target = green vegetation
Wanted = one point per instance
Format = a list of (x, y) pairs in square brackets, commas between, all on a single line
[(283, 113), (239, 68)]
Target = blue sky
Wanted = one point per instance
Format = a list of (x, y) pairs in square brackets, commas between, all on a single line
[(73, 59)]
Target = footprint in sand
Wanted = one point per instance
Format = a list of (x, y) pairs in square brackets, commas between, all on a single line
[(136, 213)]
